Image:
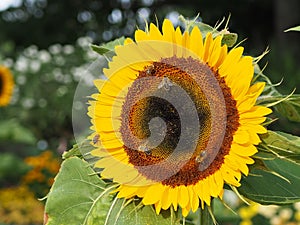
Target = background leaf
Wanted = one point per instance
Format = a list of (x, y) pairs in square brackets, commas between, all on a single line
[(12, 130), (266, 188)]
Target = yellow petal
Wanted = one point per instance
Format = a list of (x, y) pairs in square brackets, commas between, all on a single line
[(254, 138), (173, 194), (125, 191), (154, 32), (231, 59), (153, 194), (186, 210), (215, 52), (185, 45), (222, 57), (140, 35), (229, 175), (259, 129), (206, 191), (194, 200), (157, 208), (256, 111), (218, 179), (196, 41), (168, 31), (207, 47), (241, 136), (243, 150), (213, 186), (166, 199), (178, 39), (240, 76), (128, 41), (183, 196), (241, 161), (257, 120)]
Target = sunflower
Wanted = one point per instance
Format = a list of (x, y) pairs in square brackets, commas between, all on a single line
[(6, 86), (176, 118)]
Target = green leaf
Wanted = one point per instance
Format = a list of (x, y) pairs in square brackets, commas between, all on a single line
[(108, 47), (12, 168), (229, 39), (290, 108), (293, 29), (281, 144), (78, 196), (287, 105), (125, 212), (72, 152), (267, 188)]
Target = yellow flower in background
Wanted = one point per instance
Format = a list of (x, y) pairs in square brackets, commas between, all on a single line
[(176, 118), (44, 168), (6, 86), (19, 206), (247, 213)]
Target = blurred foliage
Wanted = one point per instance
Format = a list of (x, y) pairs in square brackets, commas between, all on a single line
[(65, 21), (46, 81), (11, 130), (12, 168)]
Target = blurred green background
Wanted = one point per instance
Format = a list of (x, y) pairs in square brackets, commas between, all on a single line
[(45, 43)]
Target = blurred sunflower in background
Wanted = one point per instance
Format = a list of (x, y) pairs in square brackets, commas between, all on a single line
[(6, 86), (176, 117)]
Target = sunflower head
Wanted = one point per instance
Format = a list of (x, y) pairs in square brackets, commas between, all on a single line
[(6, 86), (176, 117)]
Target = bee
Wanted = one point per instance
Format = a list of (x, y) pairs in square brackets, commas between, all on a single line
[(144, 148), (96, 139), (166, 83), (150, 70), (200, 158)]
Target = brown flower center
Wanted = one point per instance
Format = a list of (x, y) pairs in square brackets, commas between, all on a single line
[(176, 126)]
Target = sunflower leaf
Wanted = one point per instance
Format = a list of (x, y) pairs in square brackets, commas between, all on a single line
[(287, 105), (290, 108), (108, 47), (227, 38), (78, 195), (267, 188), (72, 152), (124, 212), (281, 145)]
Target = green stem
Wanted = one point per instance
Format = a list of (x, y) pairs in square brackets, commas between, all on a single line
[(205, 217)]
